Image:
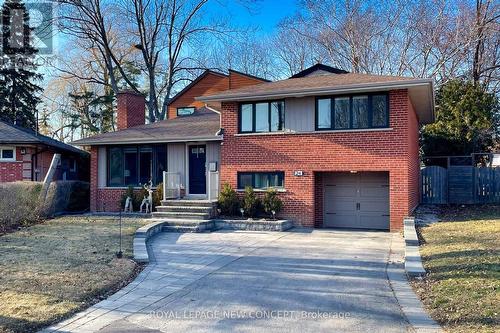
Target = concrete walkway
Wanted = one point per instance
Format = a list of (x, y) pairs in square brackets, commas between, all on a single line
[(299, 281)]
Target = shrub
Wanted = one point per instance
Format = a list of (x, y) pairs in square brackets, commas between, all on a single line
[(19, 205), (250, 202), (79, 199), (158, 195), (67, 196), (228, 200), (271, 202)]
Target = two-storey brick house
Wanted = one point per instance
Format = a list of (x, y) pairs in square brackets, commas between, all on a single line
[(341, 148)]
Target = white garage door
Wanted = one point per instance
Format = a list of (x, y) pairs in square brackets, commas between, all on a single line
[(356, 200)]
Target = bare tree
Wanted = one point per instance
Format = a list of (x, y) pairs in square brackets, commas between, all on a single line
[(159, 30), (424, 38), (485, 40)]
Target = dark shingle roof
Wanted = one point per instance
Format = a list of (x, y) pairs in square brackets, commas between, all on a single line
[(12, 134), (318, 67), (202, 125), (308, 83)]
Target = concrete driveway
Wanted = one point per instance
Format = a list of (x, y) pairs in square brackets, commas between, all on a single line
[(299, 281)]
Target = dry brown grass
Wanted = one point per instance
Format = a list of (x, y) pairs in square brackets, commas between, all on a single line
[(462, 258), (51, 270)]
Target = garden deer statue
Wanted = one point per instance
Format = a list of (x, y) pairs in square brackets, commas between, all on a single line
[(148, 200), (128, 205)]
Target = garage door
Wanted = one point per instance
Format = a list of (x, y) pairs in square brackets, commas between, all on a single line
[(356, 200)]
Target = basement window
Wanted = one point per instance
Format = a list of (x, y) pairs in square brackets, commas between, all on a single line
[(261, 180)]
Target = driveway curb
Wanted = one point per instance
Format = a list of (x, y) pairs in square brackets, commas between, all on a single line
[(410, 304), (413, 262), (141, 238)]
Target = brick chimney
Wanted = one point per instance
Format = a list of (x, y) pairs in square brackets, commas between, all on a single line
[(131, 109)]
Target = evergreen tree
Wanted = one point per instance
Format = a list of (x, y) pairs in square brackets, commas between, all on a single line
[(18, 76), (467, 121)]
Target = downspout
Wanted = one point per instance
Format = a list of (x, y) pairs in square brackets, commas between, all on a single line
[(220, 132)]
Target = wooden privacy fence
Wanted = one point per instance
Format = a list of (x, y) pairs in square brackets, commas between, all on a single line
[(460, 185)]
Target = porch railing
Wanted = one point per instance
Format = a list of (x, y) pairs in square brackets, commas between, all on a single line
[(171, 185), (213, 185)]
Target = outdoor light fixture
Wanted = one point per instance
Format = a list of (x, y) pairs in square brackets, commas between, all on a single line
[(274, 214), (242, 211), (353, 171)]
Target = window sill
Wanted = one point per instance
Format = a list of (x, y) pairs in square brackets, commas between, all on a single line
[(9, 161), (259, 190), (385, 129)]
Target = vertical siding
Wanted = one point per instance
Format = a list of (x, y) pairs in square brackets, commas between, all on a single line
[(213, 152), (213, 155), (176, 160), (101, 168), (299, 114)]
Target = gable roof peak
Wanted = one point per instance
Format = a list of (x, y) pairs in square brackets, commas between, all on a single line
[(321, 69)]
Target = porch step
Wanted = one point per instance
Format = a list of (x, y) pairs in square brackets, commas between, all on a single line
[(194, 209), (182, 215), (185, 225), (180, 228), (188, 203), (208, 224)]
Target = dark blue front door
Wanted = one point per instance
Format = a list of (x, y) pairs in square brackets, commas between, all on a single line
[(197, 177)]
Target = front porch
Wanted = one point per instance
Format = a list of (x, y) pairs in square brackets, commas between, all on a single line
[(186, 170)]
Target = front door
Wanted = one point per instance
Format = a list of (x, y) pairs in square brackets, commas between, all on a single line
[(197, 172)]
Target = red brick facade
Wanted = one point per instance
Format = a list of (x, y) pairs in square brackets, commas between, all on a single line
[(131, 110), (394, 151), (21, 169), (11, 171)]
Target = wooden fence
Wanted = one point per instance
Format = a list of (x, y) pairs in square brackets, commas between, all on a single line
[(460, 185)]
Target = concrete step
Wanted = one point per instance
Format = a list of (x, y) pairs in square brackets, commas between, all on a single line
[(176, 225), (178, 228), (188, 223), (186, 203), (182, 215), (192, 209)]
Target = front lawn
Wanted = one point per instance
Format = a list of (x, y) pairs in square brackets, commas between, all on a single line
[(51, 270), (462, 258)]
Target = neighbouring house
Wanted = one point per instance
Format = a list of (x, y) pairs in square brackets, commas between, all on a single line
[(26, 155), (341, 148)]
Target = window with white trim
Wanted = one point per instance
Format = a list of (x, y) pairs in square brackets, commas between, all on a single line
[(185, 111), (7, 154)]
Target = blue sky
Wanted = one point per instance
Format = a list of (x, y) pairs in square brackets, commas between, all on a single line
[(265, 14)]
